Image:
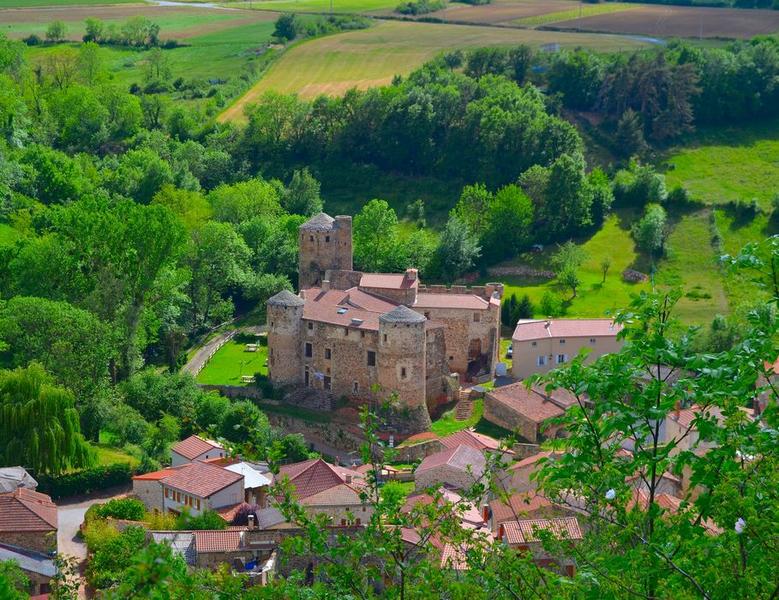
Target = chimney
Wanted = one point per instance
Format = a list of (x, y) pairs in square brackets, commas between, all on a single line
[(677, 409), (411, 274), (348, 478), (548, 323), (251, 521)]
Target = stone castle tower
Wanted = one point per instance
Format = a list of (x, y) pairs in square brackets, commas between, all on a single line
[(285, 322), (325, 243), (402, 357)]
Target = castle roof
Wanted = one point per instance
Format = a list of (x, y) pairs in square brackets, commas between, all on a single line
[(285, 298), (320, 222), (469, 301), (389, 281), (348, 308), (402, 314)]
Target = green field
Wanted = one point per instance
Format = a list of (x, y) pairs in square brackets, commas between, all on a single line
[(108, 455), (37, 3), (372, 57), (588, 10), (232, 361), (691, 263), (325, 6), (719, 165), (594, 298)]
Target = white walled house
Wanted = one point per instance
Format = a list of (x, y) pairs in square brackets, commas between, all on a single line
[(199, 487), (195, 448)]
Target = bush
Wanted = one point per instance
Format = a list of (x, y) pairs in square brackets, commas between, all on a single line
[(32, 40), (208, 519), (420, 7), (551, 305), (242, 514), (128, 509), (85, 481)]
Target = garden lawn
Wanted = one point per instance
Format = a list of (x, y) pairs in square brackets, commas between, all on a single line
[(371, 57), (691, 263), (594, 298), (108, 455), (728, 163), (232, 361), (447, 423), (741, 291)]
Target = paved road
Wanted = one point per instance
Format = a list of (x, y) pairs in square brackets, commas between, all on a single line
[(70, 515)]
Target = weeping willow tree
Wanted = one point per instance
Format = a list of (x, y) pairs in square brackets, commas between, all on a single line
[(39, 426)]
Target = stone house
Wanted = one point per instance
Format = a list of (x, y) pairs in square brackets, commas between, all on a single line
[(526, 411), (524, 536), (328, 489), (348, 332), (538, 346), (39, 568), (28, 520), (457, 468), (518, 479), (195, 448)]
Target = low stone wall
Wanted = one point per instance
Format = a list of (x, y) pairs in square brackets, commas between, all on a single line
[(415, 452), (234, 391), (310, 399), (521, 271), (337, 435)]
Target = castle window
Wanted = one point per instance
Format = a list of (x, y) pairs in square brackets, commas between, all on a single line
[(346, 331), (385, 338), (355, 387), (327, 238), (311, 238), (476, 317), (306, 378), (362, 334), (451, 358), (309, 350), (402, 372), (328, 354), (371, 358), (328, 383), (271, 324), (310, 326)]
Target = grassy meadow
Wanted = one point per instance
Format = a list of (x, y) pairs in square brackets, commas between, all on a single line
[(371, 57), (582, 10), (724, 164)]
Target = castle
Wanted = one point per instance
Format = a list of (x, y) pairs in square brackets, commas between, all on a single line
[(350, 333)]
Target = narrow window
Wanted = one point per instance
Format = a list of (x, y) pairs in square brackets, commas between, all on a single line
[(310, 326), (198, 503), (362, 334), (311, 238), (346, 331), (476, 317), (355, 388), (371, 358), (328, 383), (385, 338), (402, 372), (541, 360), (561, 358), (306, 378), (327, 238), (328, 353), (309, 350)]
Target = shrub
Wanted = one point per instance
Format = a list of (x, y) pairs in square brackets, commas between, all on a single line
[(551, 304), (85, 481), (129, 509), (242, 514), (32, 40), (158, 521), (97, 532), (208, 519), (113, 555), (420, 7)]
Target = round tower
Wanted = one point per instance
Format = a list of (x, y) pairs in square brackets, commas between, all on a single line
[(402, 355), (285, 324)]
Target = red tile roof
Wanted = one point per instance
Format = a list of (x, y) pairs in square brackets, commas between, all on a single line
[(26, 510), (202, 479), (470, 438), (466, 301), (339, 307), (227, 540), (533, 329), (338, 495), (519, 505), (460, 457), (313, 476), (194, 446), (388, 281), (535, 404), (157, 475), (525, 531), (531, 460)]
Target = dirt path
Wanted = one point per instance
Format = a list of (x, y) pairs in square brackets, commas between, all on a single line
[(204, 354)]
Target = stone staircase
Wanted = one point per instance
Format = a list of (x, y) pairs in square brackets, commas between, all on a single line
[(464, 408)]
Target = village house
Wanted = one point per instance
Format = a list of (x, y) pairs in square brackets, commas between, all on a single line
[(527, 411), (348, 332), (195, 448), (523, 505), (327, 489), (540, 345), (12, 478), (28, 535), (458, 468), (518, 475), (525, 535)]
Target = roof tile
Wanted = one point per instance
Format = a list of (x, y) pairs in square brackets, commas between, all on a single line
[(194, 446), (202, 479), (26, 510)]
